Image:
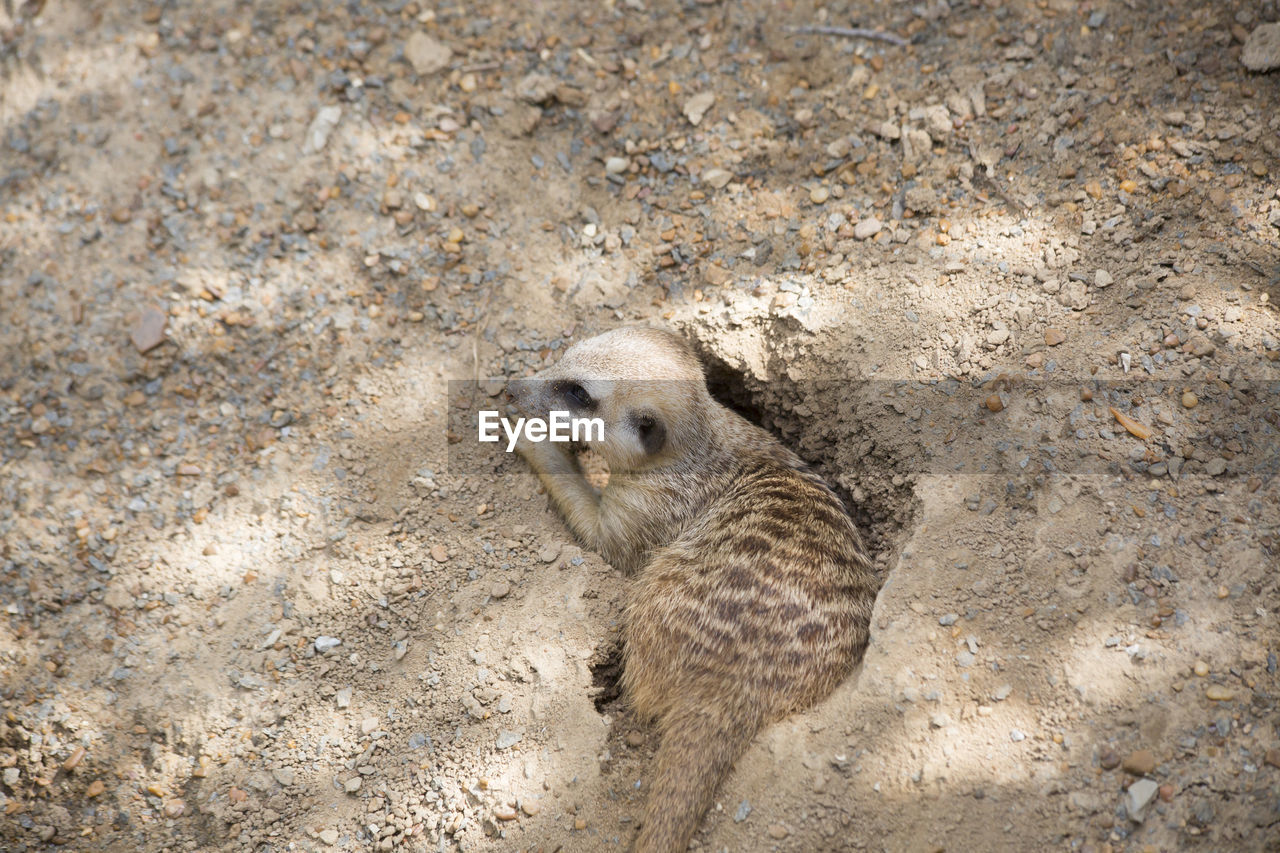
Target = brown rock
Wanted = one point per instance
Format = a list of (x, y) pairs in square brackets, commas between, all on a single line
[(994, 403), (606, 122), (716, 275), (1201, 346), (1053, 337), (439, 553), (1140, 762), (73, 760), (1272, 757), (148, 330)]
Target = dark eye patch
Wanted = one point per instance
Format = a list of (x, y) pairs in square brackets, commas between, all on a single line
[(652, 432)]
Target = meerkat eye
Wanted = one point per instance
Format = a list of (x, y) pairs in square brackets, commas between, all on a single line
[(578, 395)]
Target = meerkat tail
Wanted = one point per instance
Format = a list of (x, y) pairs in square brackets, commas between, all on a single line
[(699, 747)]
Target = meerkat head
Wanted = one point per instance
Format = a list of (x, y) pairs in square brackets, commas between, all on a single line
[(646, 385)]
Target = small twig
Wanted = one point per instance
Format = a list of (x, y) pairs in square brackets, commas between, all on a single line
[(481, 321), (991, 181), (852, 33), (986, 173)]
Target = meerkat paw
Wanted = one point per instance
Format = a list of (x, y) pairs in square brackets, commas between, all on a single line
[(548, 459)]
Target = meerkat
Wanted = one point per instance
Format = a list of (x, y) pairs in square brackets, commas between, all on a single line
[(751, 591)]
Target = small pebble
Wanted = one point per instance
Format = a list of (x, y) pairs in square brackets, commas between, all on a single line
[(717, 178), (1190, 400), (1219, 693), (148, 330), (74, 759), (1262, 48), (425, 54), (867, 228), (1140, 762), (1140, 795), (326, 644), (696, 107)]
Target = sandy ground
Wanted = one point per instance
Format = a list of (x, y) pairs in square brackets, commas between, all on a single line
[(1011, 287)]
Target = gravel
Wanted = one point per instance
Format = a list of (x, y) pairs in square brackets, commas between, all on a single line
[(251, 261)]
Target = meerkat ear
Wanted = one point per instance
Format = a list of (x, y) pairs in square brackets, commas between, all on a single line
[(652, 434)]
